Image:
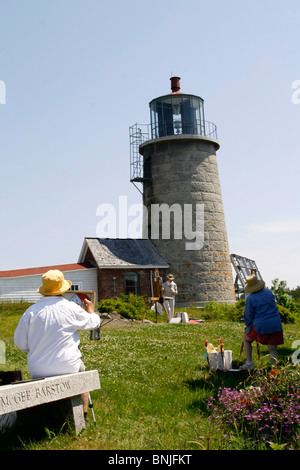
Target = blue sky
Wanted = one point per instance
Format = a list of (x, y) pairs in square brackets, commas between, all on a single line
[(78, 73)]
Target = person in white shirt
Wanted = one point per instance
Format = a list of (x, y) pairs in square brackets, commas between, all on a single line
[(169, 289), (48, 330)]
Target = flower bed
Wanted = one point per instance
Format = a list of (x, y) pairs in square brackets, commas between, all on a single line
[(268, 410)]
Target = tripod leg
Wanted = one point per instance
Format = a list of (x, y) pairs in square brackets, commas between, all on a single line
[(242, 347), (92, 408), (166, 312)]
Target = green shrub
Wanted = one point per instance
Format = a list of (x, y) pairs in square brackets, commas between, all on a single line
[(129, 306), (286, 315), (282, 295), (224, 311), (221, 311), (239, 309), (133, 307)]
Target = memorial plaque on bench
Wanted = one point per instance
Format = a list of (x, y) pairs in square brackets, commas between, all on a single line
[(23, 395)]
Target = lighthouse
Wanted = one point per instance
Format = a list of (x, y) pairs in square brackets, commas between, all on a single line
[(174, 159)]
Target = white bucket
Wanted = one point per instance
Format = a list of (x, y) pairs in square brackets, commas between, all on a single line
[(215, 360), (184, 318), (220, 361), (227, 359), (175, 320)]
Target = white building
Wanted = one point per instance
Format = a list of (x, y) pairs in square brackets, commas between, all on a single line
[(22, 284), (106, 267)]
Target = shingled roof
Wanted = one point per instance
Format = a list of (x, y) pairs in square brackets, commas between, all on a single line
[(122, 253)]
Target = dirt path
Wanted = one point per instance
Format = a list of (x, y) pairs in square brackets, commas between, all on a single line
[(114, 320)]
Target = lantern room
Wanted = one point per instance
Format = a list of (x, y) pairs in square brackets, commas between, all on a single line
[(174, 115), (177, 113)]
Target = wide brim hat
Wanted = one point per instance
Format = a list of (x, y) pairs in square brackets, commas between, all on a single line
[(253, 284), (54, 283), (170, 277)]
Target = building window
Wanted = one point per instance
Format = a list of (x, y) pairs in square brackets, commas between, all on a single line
[(75, 287), (132, 283)]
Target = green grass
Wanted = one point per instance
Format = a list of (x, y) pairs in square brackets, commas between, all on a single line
[(155, 385)]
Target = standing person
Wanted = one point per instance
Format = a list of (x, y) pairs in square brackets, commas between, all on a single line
[(169, 289), (48, 331), (262, 319)]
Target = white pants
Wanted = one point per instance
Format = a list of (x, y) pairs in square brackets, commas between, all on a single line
[(170, 307)]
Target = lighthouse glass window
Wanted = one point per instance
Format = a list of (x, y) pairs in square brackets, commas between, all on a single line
[(173, 115)]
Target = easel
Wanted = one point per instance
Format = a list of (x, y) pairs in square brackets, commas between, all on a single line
[(157, 296)]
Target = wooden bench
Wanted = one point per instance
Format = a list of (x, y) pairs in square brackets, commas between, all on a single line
[(62, 389)]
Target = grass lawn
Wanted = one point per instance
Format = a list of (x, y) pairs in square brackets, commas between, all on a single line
[(155, 385)]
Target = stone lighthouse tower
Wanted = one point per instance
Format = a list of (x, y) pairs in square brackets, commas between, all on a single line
[(175, 161)]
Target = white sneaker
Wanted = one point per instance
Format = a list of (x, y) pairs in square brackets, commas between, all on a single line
[(247, 366)]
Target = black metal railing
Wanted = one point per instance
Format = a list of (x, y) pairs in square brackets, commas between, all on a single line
[(141, 133), (180, 127)]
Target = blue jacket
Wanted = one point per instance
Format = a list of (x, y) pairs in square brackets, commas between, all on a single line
[(262, 313)]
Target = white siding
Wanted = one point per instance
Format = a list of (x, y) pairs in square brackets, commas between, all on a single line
[(24, 288)]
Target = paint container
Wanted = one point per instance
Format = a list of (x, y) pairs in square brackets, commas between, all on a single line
[(213, 360), (227, 359), (95, 334)]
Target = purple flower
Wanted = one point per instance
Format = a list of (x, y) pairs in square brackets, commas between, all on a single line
[(270, 410)]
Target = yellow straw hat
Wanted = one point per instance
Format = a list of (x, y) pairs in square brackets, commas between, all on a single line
[(54, 283), (253, 284)]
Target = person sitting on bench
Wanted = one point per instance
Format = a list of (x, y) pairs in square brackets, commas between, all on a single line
[(48, 330)]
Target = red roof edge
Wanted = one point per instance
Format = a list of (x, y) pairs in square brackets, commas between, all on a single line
[(44, 269)]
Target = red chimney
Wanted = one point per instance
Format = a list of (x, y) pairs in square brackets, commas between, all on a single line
[(175, 84)]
